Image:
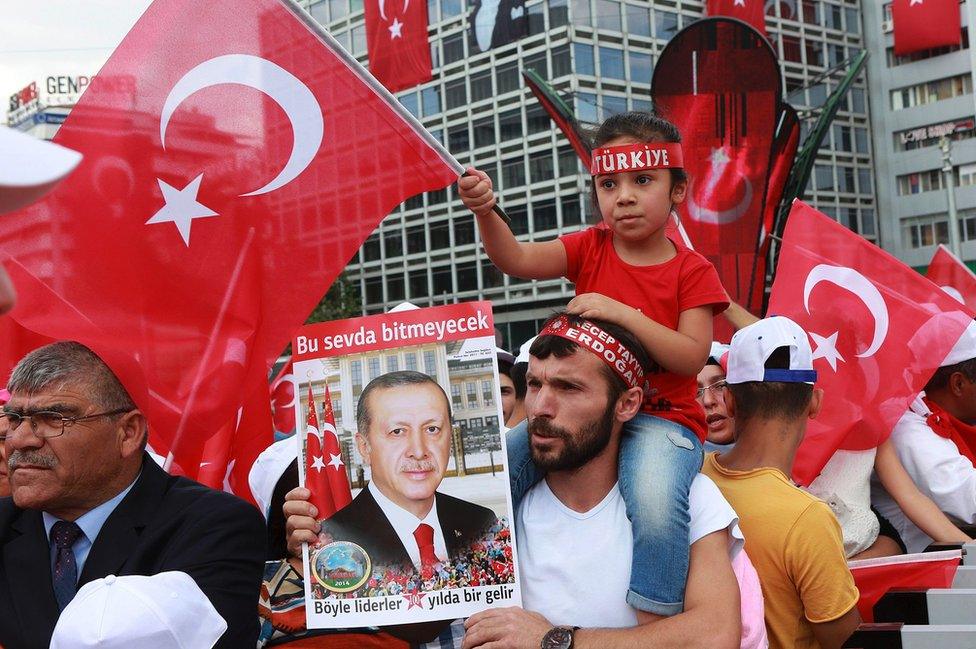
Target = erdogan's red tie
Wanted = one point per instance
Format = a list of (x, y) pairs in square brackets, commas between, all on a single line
[(424, 534)]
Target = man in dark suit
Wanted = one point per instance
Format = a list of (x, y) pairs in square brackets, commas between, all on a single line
[(88, 501), (404, 435)]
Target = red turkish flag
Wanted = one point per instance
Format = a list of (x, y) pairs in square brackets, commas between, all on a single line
[(878, 331), (325, 473), (875, 577), (283, 400), (924, 24), (336, 471), (953, 276), (748, 11), (397, 43), (218, 135)]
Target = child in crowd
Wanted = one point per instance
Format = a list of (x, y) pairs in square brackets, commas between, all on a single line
[(628, 271)]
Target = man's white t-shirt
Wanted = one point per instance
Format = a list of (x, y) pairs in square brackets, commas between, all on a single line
[(576, 566)]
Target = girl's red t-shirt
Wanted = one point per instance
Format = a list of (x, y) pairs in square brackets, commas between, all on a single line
[(661, 292)]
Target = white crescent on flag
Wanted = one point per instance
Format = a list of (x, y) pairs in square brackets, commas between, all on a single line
[(954, 292), (718, 160), (282, 86), (858, 285), (382, 7), (294, 97)]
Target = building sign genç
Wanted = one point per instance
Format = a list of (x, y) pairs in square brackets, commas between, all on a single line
[(58, 90)]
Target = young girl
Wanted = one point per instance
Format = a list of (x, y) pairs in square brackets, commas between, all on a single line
[(627, 271)]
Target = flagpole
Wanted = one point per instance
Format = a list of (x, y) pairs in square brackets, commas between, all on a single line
[(211, 343)]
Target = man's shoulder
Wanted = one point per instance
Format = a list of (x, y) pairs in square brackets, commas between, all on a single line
[(451, 504), (177, 497), (353, 513), (9, 514), (765, 489), (912, 425)]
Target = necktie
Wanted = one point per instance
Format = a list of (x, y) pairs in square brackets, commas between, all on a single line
[(424, 534), (63, 536)]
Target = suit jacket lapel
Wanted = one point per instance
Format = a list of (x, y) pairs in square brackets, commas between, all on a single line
[(381, 532), (120, 533), (27, 561)]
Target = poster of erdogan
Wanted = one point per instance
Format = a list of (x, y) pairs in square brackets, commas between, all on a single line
[(405, 459)]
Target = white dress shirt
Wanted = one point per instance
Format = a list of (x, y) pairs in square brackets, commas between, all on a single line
[(939, 470), (404, 524)]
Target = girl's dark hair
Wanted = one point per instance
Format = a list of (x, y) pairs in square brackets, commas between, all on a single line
[(642, 126)]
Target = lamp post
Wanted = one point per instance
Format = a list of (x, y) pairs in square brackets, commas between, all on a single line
[(949, 180)]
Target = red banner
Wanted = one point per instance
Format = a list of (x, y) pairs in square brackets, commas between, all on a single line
[(875, 577), (396, 38), (720, 83), (414, 327), (212, 210), (878, 331), (953, 276), (924, 24)]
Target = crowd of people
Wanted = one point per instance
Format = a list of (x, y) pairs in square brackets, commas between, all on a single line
[(650, 509), (484, 562)]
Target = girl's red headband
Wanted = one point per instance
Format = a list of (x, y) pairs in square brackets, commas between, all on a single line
[(636, 157)]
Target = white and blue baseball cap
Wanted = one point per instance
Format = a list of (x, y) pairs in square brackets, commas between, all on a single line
[(752, 346)]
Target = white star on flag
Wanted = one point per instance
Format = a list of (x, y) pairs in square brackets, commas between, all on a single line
[(719, 158), (827, 349), (317, 463), (740, 3), (181, 207), (395, 28), (336, 461)]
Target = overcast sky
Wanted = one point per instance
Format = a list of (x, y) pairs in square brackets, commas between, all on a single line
[(53, 37)]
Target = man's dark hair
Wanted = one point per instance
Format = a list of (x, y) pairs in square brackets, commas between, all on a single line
[(518, 379), (394, 380), (940, 379), (771, 399), (504, 367), (642, 126), (546, 345)]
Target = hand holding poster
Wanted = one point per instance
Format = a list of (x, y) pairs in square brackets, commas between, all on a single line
[(415, 401)]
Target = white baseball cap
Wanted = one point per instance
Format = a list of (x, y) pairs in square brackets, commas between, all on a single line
[(164, 611), (717, 351), (752, 346), (268, 469), (30, 167), (965, 347), (523, 355)]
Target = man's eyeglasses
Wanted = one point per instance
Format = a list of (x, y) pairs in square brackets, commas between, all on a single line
[(48, 423), (716, 389)]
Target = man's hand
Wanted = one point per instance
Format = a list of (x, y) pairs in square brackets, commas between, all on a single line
[(600, 307), (301, 524), (475, 192), (505, 628)]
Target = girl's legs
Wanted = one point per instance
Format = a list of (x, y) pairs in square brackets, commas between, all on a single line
[(659, 459)]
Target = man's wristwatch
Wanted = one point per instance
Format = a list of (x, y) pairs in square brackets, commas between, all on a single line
[(559, 637)]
